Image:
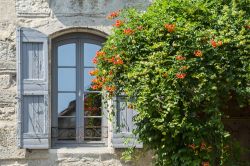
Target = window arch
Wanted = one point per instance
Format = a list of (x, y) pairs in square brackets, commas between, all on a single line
[(77, 114)]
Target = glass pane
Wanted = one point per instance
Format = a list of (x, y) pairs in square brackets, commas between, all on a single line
[(88, 79), (89, 53), (66, 128), (92, 129), (92, 104), (66, 104), (66, 79), (67, 55)]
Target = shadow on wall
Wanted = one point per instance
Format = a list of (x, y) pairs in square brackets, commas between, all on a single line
[(90, 12)]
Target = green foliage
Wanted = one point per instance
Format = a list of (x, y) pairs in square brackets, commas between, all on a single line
[(180, 62)]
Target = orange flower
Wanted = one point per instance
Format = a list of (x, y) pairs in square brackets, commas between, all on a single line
[(118, 23), (170, 27), (110, 88), (128, 31), (95, 61), (118, 60), (111, 60), (213, 43), (198, 53), (100, 53), (93, 72), (94, 87), (113, 15), (181, 75), (219, 43), (179, 57), (205, 163), (95, 80)]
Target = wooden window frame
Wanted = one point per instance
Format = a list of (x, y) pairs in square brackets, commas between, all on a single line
[(79, 39)]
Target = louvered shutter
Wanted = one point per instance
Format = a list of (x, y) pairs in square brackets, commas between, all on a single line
[(123, 125), (32, 83)]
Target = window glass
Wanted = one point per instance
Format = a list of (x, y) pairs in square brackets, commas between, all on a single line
[(67, 55), (88, 79), (66, 104), (92, 104), (89, 53), (66, 79)]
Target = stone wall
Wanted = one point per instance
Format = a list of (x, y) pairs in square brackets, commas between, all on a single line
[(48, 16)]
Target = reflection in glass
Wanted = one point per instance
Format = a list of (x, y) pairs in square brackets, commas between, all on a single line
[(92, 104), (66, 104), (66, 79), (88, 79), (66, 128), (92, 129), (67, 55), (89, 53)]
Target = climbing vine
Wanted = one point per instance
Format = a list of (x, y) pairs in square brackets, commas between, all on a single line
[(179, 63)]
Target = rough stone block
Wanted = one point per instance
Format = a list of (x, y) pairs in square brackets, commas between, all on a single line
[(39, 8), (5, 81), (7, 114), (8, 148), (8, 96)]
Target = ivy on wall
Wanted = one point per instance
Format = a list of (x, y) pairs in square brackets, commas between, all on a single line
[(180, 62)]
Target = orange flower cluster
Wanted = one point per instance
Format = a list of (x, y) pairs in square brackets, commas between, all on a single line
[(110, 88), (215, 44), (93, 72), (170, 27), (99, 53), (113, 15), (98, 83), (128, 31), (180, 58), (95, 61), (118, 23), (198, 53), (181, 75), (116, 60)]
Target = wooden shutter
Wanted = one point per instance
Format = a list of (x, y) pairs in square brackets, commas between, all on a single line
[(32, 86), (123, 125)]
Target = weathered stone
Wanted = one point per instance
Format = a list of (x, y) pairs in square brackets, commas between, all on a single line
[(7, 113), (8, 96), (5, 81), (32, 8)]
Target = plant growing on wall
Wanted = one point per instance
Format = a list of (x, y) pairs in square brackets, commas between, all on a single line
[(180, 62)]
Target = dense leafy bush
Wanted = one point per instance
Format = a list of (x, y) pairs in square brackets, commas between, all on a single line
[(179, 62)]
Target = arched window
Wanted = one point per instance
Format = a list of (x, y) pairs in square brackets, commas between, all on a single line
[(54, 93), (77, 114)]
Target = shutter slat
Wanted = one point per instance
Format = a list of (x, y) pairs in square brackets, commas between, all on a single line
[(123, 125), (32, 83)]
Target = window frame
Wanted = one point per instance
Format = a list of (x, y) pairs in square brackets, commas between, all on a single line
[(79, 39)]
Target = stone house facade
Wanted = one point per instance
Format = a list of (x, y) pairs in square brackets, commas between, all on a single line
[(28, 28)]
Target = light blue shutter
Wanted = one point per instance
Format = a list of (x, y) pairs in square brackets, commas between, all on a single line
[(123, 125), (32, 86)]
